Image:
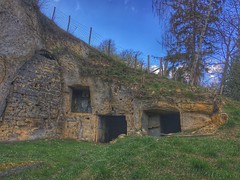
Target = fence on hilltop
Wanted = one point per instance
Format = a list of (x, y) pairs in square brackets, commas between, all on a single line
[(90, 36)]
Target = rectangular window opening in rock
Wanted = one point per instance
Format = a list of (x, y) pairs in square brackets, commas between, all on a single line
[(81, 100), (158, 122), (110, 127)]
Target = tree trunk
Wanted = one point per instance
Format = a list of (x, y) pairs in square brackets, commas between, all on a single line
[(196, 61), (224, 74)]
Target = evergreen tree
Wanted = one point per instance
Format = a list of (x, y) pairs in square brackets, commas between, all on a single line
[(232, 85), (232, 82), (192, 26)]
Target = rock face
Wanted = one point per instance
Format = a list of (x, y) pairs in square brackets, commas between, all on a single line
[(44, 94), (19, 40), (34, 102)]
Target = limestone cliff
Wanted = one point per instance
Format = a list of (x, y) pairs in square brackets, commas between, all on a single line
[(19, 39), (54, 85)]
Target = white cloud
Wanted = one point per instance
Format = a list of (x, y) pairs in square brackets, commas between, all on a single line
[(215, 69), (153, 68), (212, 74)]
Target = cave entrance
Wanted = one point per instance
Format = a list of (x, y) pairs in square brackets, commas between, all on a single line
[(158, 122), (170, 123), (111, 127)]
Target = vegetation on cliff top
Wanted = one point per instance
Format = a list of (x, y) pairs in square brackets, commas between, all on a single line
[(145, 85), (113, 69)]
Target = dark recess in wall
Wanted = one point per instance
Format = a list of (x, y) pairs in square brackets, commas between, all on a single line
[(112, 127)]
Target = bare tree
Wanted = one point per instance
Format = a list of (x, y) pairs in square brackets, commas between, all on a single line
[(131, 57), (227, 30), (108, 47)]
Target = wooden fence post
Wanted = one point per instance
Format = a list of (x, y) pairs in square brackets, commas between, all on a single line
[(148, 68), (53, 14), (141, 65), (161, 66), (165, 67), (90, 36), (135, 61), (109, 47), (69, 21)]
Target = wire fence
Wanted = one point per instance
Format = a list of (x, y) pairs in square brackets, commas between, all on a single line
[(150, 63)]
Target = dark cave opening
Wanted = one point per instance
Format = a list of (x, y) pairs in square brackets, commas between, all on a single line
[(160, 122), (170, 123), (111, 127)]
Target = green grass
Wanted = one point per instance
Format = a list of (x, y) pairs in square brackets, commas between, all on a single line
[(146, 85), (232, 108), (129, 158), (212, 157)]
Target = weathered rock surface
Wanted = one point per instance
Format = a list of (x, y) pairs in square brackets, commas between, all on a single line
[(44, 70), (34, 102), (18, 41)]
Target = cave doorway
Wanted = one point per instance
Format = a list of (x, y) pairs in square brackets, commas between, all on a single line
[(111, 127), (170, 123), (159, 122)]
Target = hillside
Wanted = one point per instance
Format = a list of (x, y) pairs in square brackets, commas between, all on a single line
[(93, 63), (54, 85), (210, 157), (63, 104)]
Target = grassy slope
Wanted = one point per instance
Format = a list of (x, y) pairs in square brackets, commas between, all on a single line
[(215, 157), (110, 68), (232, 108), (146, 85)]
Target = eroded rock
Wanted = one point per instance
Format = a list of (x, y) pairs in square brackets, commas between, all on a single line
[(44, 95)]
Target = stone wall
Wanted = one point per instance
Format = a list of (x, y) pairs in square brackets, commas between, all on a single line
[(39, 103), (193, 115), (34, 104), (19, 38), (106, 99)]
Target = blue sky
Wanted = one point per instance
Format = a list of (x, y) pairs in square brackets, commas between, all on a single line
[(130, 23)]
